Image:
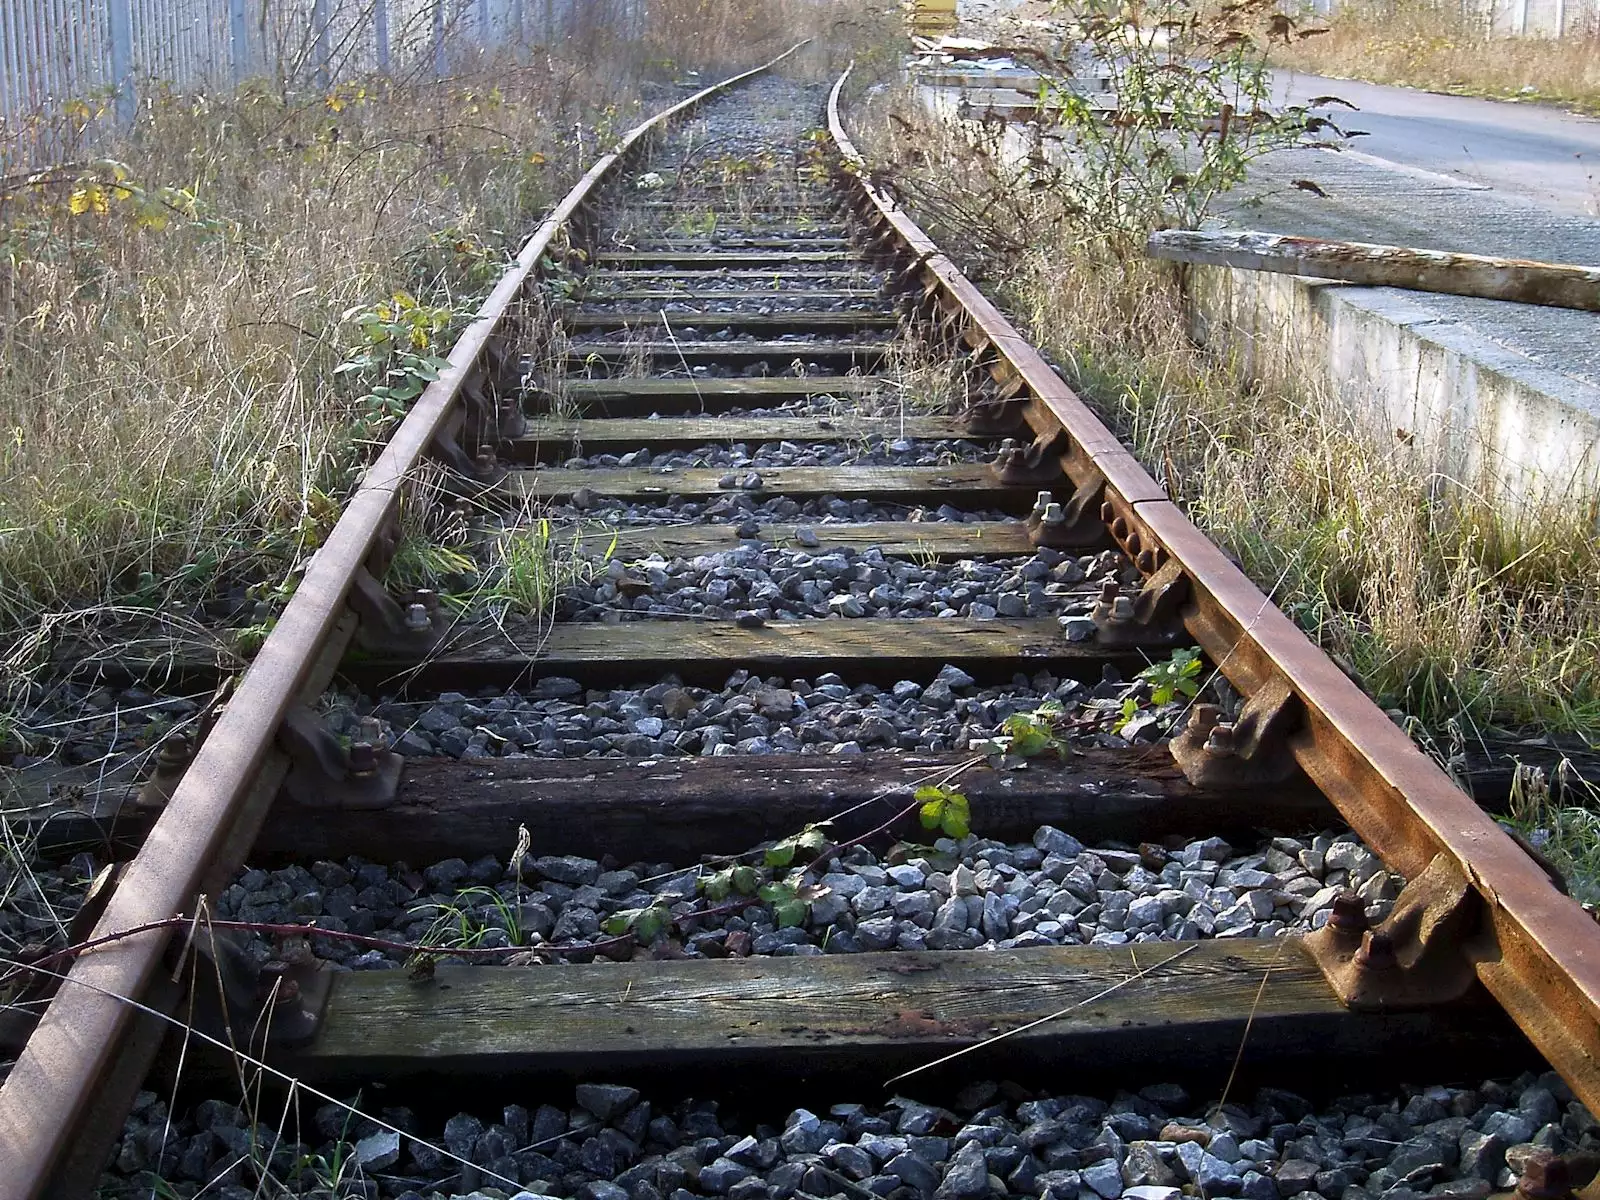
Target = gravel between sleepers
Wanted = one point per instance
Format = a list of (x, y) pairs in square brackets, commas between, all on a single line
[(965, 895), (995, 1139)]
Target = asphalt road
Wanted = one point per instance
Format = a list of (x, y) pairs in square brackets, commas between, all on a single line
[(1532, 151), (1450, 173)]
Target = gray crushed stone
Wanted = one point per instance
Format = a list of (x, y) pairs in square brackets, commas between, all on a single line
[(607, 1142), (968, 895)]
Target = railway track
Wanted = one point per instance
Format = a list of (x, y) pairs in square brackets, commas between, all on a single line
[(842, 760)]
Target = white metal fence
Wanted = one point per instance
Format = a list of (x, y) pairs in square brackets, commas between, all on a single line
[(1513, 18), (55, 52)]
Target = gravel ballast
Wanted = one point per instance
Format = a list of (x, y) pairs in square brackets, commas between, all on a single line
[(968, 895), (995, 1139)]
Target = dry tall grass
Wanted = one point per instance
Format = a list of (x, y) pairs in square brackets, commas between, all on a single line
[(1419, 43), (1432, 599), (170, 319)]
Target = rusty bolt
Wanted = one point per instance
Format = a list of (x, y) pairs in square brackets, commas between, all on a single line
[(1349, 916), (1134, 544), (1545, 1176), (1119, 528), (1219, 741), (363, 759), (1107, 511), (176, 751), (1202, 718), (288, 991), (1377, 952), (1145, 560), (1122, 608), (417, 618)]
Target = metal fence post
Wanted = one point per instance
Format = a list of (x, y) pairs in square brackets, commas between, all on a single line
[(319, 34), (238, 40), (380, 33), (438, 39), (119, 25)]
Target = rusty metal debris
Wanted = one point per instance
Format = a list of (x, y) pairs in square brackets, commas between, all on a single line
[(1559, 285)]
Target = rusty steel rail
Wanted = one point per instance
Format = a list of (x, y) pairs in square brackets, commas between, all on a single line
[(215, 810), (1534, 948)]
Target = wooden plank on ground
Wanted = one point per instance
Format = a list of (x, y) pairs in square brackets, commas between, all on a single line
[(712, 260), (961, 484), (942, 540), (629, 433), (641, 397), (1125, 1014), (1559, 285), (580, 354), (688, 293), (793, 275), (678, 243), (708, 651), (800, 320), (677, 809)]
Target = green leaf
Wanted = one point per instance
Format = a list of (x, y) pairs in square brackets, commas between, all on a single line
[(781, 854), (957, 818), (619, 922), (1027, 738), (717, 887), (650, 922), (774, 893), (790, 913), (932, 813), (746, 880)]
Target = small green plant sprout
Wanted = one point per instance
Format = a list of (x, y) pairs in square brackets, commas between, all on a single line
[(457, 927), (644, 923), (1128, 711), (944, 810), (791, 900), (811, 839), (1176, 676), (1027, 735), (719, 885)]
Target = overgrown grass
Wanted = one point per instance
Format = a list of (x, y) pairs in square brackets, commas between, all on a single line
[(1425, 593), (1423, 44), (1560, 818), (174, 302)]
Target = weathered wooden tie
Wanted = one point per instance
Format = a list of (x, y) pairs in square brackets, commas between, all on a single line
[(622, 434), (959, 484)]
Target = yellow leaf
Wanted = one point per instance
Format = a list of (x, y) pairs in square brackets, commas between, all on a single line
[(89, 198), (536, 159), (336, 103)]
